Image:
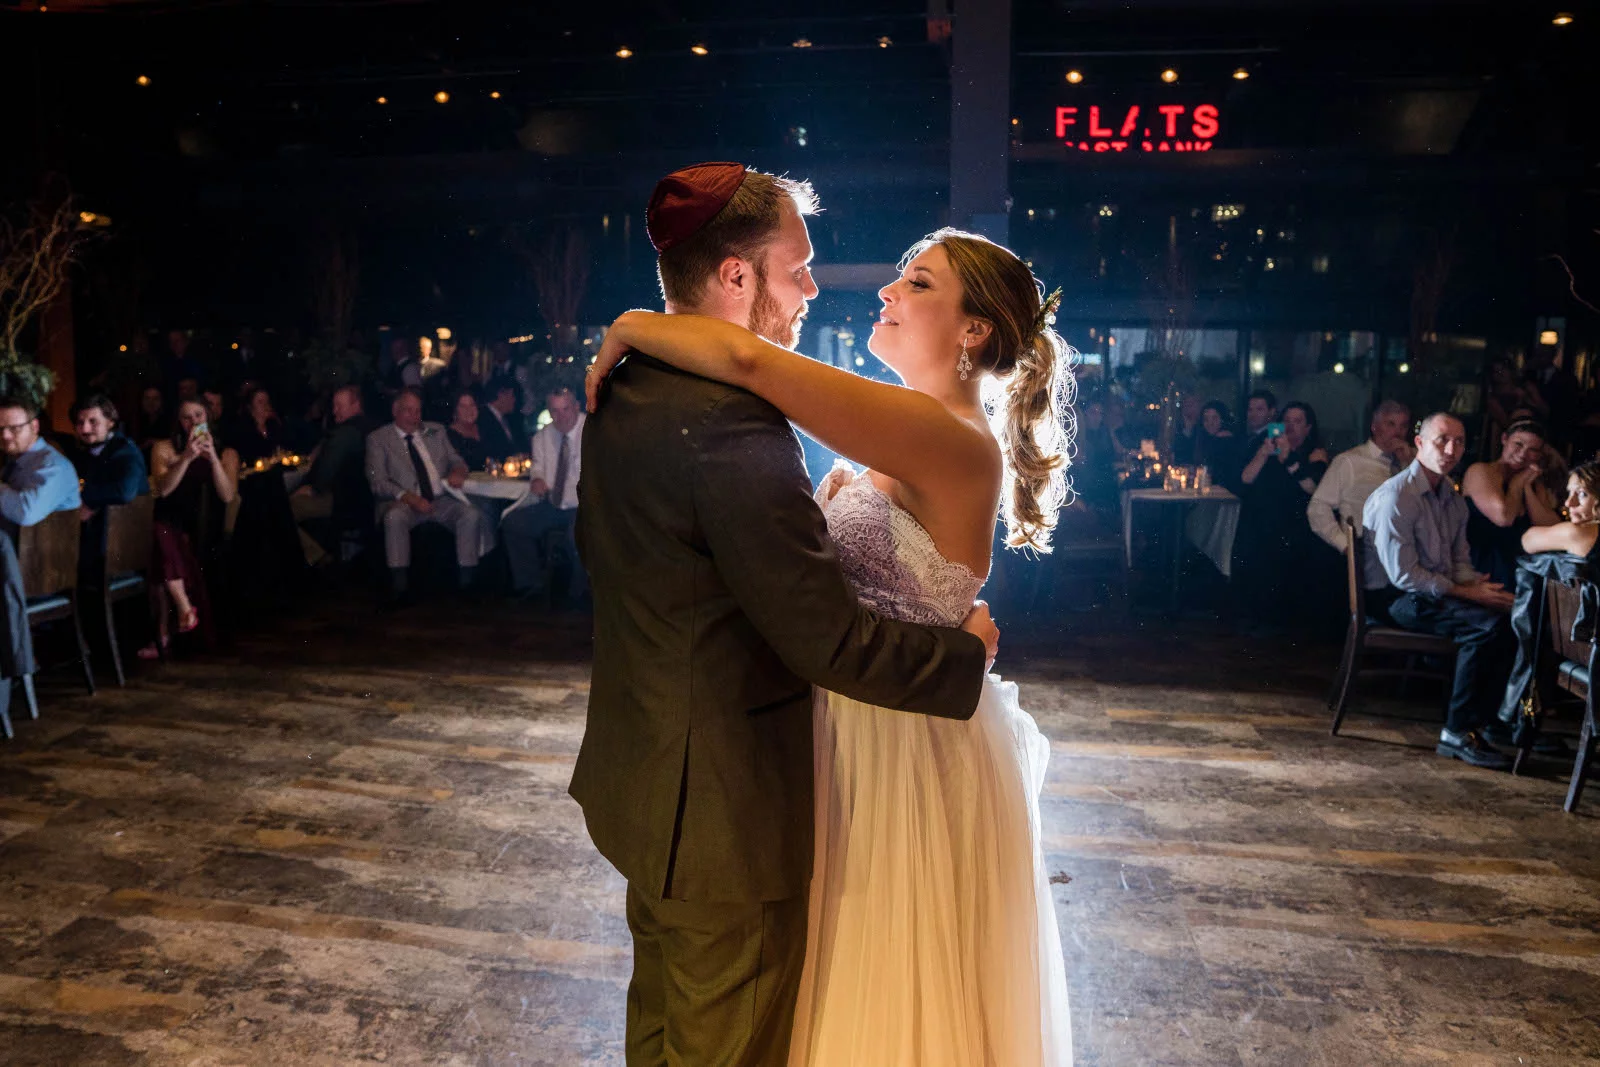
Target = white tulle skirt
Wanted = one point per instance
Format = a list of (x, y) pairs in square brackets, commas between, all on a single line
[(932, 938)]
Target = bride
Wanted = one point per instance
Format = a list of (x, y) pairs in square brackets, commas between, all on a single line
[(932, 938)]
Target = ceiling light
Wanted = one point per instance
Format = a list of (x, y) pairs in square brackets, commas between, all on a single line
[(700, 50), (122, 348), (1338, 368), (1549, 337), (143, 80), (1016, 122), (884, 42), (802, 42), (383, 99), (1240, 75), (1404, 368), (1563, 19), (624, 52), (1075, 77), (441, 97), (1169, 75), (495, 95)]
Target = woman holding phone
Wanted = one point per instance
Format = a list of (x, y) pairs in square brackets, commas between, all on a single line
[(193, 483), (1274, 537)]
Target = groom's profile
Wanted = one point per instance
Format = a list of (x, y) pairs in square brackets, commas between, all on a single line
[(718, 604)]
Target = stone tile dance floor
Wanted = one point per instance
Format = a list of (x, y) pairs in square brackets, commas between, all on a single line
[(350, 842)]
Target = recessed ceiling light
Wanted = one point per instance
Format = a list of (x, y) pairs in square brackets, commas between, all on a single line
[(802, 42), (143, 80), (383, 99), (884, 42), (495, 95), (1169, 75), (1562, 19), (1075, 76), (700, 50), (1240, 75), (624, 52), (441, 97)]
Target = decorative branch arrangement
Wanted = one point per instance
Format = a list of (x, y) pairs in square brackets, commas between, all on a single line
[(39, 243)]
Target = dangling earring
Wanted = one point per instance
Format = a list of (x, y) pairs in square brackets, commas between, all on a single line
[(964, 364)]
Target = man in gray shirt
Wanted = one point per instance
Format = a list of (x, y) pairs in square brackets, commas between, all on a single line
[(1419, 574)]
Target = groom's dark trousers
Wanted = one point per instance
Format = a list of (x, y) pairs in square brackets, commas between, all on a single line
[(718, 604)]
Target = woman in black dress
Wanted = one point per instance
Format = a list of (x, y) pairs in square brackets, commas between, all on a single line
[(194, 481), (268, 561), (1505, 497), (463, 431), (1273, 557)]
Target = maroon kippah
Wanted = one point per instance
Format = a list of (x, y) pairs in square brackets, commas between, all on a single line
[(687, 199)]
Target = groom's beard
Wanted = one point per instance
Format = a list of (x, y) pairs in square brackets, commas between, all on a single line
[(768, 320)]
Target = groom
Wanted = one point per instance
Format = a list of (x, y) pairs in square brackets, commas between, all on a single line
[(718, 604)]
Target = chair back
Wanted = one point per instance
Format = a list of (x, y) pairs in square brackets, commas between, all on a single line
[(1355, 580), (1564, 602), (47, 554), (130, 535)]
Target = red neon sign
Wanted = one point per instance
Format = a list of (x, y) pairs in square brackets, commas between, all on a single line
[(1166, 128)]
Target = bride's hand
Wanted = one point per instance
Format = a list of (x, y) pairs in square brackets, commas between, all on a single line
[(612, 351), (979, 624)]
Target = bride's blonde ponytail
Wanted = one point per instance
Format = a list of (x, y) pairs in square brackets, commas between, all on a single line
[(1031, 413)]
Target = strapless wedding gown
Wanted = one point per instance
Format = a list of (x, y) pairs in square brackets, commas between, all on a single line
[(932, 938)]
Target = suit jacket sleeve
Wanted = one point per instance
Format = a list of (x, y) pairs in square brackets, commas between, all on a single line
[(122, 477), (383, 486), (336, 454), (769, 542)]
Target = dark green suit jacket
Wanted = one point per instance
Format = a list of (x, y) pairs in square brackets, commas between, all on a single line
[(718, 603)]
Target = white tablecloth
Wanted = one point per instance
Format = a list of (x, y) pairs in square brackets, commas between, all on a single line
[(495, 487), (1212, 520)]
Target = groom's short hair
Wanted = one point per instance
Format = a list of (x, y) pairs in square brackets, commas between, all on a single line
[(744, 224)]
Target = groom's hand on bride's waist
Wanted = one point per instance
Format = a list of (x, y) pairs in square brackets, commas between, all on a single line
[(979, 624)]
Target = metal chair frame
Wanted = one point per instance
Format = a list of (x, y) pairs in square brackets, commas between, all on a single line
[(1363, 636)]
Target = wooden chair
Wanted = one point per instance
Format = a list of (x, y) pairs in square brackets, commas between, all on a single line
[(1364, 636), (130, 539), (1575, 663), (47, 553)]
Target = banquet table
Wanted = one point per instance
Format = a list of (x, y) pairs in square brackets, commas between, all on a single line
[(1209, 520)]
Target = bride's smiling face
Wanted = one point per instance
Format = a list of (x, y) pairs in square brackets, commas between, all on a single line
[(919, 330)]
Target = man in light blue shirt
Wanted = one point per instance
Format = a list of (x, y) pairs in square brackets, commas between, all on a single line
[(36, 481), (1419, 574)]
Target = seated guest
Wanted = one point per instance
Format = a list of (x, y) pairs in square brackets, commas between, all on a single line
[(336, 485), (1094, 474), (552, 502), (216, 402), (111, 470), (1259, 411), (499, 424), (1419, 575), (38, 481), (1353, 475), (152, 423), (1213, 448), (1187, 431), (194, 482), (465, 430), (1505, 497), (267, 557), (1580, 534), (411, 466), (1273, 542)]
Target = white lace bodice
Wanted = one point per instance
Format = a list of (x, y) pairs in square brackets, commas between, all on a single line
[(890, 560)]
